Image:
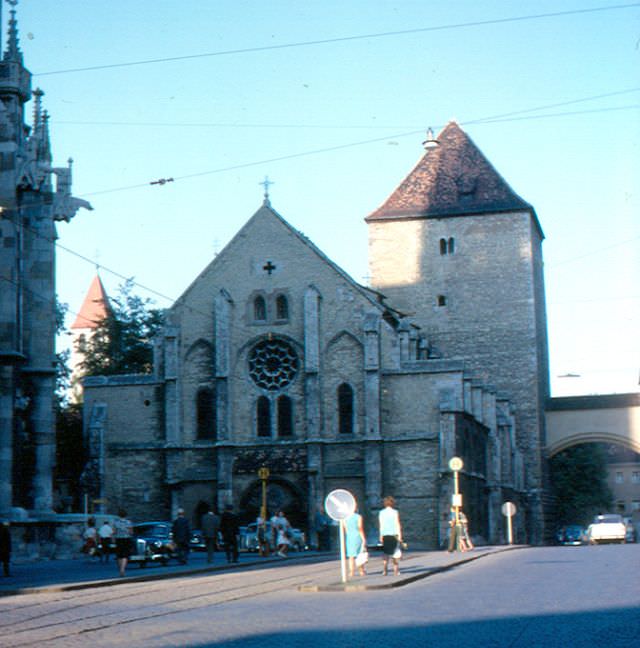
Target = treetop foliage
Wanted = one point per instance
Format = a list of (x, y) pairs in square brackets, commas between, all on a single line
[(121, 343)]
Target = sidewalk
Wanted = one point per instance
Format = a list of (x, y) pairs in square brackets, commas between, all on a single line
[(81, 573), (413, 567)]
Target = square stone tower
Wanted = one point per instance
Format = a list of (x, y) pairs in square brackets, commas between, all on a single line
[(461, 252)]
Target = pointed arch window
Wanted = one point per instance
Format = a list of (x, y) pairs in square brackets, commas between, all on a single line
[(206, 427), (259, 309), (345, 409), (285, 417), (263, 417), (447, 246), (282, 307)]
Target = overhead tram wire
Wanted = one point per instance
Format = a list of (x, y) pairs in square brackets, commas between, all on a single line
[(482, 120), (344, 39), (504, 117)]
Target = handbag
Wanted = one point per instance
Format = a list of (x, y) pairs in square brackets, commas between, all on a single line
[(362, 558)]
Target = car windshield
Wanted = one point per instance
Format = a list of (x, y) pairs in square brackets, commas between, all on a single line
[(608, 519), (152, 529)]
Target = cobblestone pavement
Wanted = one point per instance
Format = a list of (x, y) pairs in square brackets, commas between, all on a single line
[(552, 597)]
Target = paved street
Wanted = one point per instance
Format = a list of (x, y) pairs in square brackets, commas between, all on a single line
[(554, 596)]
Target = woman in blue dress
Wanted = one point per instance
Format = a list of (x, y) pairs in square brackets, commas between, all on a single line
[(356, 542)]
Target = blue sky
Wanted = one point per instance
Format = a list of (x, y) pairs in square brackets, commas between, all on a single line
[(348, 113)]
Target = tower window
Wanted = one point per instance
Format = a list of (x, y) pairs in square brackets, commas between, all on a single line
[(345, 409), (263, 417), (285, 417), (205, 414), (259, 309), (447, 246), (282, 307), (442, 300)]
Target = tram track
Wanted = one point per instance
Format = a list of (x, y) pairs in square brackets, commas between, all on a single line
[(86, 611)]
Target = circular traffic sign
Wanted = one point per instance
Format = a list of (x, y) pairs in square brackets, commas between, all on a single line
[(263, 472), (339, 504), (509, 509), (456, 464)]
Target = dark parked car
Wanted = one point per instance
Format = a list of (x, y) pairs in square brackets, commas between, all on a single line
[(153, 542), (572, 534)]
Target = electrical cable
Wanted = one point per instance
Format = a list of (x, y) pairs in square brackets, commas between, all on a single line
[(345, 39)]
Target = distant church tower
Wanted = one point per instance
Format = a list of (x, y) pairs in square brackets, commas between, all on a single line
[(95, 308), (30, 205), (461, 252)]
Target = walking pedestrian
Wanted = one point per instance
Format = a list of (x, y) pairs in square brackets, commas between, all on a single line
[(356, 543), (390, 534), (122, 532), (282, 531), (229, 528), (105, 533), (5, 547), (181, 536), (90, 537), (464, 539), (210, 528)]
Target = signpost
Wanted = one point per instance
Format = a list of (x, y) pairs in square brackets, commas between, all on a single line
[(509, 510), (263, 475), (339, 505)]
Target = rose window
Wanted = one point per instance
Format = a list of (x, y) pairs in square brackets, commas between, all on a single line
[(273, 364)]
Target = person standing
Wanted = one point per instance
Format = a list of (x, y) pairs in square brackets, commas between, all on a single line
[(390, 534), (229, 528), (323, 529), (210, 528), (181, 536), (122, 532), (282, 530), (105, 533), (261, 536), (5, 547), (356, 542)]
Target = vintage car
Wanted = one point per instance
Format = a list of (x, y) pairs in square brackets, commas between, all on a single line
[(153, 543), (571, 534), (607, 528)]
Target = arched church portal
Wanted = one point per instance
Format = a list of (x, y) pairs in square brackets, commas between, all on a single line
[(282, 495)]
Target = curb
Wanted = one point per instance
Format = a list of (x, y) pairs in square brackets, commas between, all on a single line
[(108, 582)]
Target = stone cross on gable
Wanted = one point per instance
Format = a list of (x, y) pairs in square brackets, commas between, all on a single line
[(266, 183), (269, 267)]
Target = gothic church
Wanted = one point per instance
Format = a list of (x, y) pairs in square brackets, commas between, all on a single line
[(275, 357)]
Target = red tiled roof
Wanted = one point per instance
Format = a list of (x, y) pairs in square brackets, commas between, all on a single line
[(94, 308), (451, 179)]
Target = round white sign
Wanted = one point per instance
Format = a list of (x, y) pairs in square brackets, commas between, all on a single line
[(509, 509), (339, 504), (455, 464)]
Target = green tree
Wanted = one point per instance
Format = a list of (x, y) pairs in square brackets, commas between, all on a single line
[(121, 343), (579, 482)]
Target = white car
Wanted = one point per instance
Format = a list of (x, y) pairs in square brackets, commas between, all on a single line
[(607, 528)]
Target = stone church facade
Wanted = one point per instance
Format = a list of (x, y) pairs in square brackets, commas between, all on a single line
[(275, 357)]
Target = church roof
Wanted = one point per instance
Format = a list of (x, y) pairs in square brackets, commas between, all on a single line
[(452, 179), (94, 308)]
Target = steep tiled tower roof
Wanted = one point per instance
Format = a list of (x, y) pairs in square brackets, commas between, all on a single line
[(94, 308), (452, 178)]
